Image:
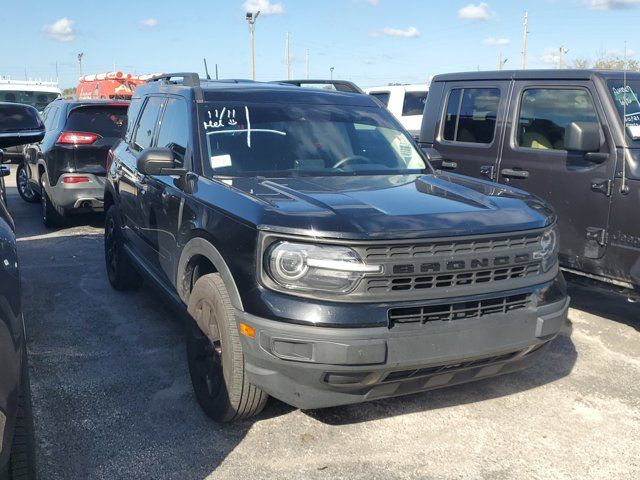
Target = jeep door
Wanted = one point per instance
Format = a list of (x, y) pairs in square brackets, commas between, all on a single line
[(469, 132), (163, 200), (576, 183), (131, 184)]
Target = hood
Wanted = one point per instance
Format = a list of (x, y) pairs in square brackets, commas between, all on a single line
[(393, 206)]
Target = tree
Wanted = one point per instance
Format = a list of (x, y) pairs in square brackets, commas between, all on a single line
[(608, 60)]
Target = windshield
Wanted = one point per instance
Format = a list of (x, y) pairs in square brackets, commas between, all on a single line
[(298, 139), (625, 98), (36, 99)]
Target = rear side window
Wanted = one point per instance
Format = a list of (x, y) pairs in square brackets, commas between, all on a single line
[(382, 96), (106, 121), (174, 129), (147, 124), (414, 103), (471, 115), (545, 112)]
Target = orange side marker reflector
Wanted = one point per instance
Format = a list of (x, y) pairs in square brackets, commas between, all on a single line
[(247, 330)]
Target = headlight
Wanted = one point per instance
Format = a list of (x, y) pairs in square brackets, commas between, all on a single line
[(322, 268), (548, 249)]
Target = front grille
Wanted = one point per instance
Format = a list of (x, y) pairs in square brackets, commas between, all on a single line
[(458, 311), (449, 248), (390, 284)]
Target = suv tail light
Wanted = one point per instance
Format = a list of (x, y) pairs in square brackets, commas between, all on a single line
[(77, 138), (75, 179)]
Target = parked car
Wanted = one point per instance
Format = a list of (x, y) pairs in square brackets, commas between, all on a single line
[(405, 102), (38, 94), (66, 170), (320, 257), (18, 124), (558, 134)]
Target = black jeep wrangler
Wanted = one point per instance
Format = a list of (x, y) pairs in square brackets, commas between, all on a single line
[(321, 258)]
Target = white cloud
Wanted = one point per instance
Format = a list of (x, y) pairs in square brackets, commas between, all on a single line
[(411, 32), (550, 56), (264, 6), (610, 4), (478, 12), (498, 42), (373, 2), (149, 22), (61, 30)]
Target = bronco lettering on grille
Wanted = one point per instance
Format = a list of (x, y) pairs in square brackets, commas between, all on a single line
[(473, 264)]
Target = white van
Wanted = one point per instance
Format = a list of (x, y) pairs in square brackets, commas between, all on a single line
[(405, 102)]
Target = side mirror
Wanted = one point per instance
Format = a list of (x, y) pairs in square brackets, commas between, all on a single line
[(5, 171), (19, 124), (582, 137), (156, 161)]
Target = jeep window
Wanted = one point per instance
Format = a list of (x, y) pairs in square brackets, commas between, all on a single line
[(626, 98), (174, 129), (132, 116), (147, 125), (545, 112), (106, 121), (471, 115), (414, 103), (382, 96), (298, 139)]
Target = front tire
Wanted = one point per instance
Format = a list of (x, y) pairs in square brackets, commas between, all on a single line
[(121, 272), (216, 361), (23, 185)]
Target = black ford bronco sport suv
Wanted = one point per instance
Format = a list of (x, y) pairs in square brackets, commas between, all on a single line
[(321, 258)]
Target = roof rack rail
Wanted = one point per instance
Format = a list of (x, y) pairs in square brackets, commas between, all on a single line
[(340, 85), (189, 79)]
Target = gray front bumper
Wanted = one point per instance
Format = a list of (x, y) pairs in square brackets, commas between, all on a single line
[(79, 196), (316, 367)]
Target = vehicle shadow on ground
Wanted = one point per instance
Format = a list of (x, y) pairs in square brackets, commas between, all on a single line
[(610, 305), (555, 363)]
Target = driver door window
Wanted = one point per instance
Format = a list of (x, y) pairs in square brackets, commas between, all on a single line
[(174, 130), (546, 112)]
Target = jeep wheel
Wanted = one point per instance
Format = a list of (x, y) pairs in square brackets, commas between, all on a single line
[(23, 185), (122, 274), (51, 215), (22, 463), (216, 361)]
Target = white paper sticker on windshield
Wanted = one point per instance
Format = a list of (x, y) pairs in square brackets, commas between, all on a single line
[(220, 161), (634, 131)]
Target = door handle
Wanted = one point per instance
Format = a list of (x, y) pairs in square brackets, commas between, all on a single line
[(486, 171), (449, 165), (513, 173)]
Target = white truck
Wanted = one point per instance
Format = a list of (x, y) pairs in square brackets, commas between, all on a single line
[(405, 102)]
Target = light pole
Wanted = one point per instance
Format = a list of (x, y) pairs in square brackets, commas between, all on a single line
[(331, 69), (251, 20), (80, 55)]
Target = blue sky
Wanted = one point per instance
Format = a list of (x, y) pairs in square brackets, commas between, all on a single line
[(372, 42)]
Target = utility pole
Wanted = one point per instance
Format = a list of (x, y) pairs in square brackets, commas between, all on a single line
[(525, 32), (501, 62), (331, 70), (80, 55), (251, 20), (287, 57), (306, 57), (563, 51)]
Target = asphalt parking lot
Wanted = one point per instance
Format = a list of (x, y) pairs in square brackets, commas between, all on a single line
[(112, 395)]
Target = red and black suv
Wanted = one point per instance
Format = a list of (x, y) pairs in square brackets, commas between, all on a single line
[(66, 170)]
